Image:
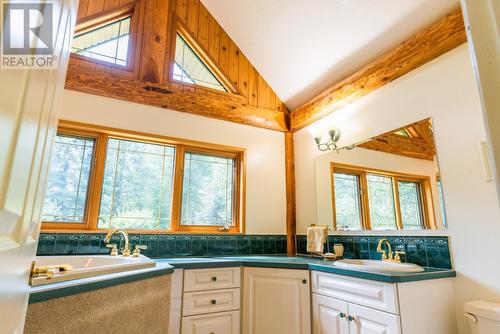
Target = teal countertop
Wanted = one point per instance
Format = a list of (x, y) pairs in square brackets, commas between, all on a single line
[(167, 265), (304, 263), (55, 290)]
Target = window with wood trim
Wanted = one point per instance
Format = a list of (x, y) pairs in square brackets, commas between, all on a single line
[(192, 65), (103, 178), (108, 43), (368, 199)]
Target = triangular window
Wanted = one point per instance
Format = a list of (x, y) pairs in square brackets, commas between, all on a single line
[(107, 43), (189, 67)]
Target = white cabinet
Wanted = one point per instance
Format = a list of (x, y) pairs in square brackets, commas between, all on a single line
[(210, 301), (347, 305), (329, 315), (217, 323), (334, 316), (276, 301), (366, 320)]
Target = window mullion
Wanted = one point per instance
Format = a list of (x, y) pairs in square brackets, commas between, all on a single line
[(177, 189), (365, 202), (397, 206), (95, 186)]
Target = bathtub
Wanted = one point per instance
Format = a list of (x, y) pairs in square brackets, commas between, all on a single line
[(81, 266)]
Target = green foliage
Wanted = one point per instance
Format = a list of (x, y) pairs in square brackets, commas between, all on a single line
[(137, 185), (67, 184), (409, 199), (347, 205), (207, 190)]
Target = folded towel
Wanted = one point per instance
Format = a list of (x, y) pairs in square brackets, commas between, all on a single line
[(316, 237)]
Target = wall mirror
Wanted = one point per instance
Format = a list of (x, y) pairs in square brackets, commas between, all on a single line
[(388, 182)]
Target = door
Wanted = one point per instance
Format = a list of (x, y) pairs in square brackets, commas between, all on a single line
[(329, 315), (276, 301), (27, 127), (215, 323), (363, 320), (482, 19)]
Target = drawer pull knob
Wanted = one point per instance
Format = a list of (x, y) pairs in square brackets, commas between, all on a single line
[(213, 301), (304, 281), (342, 315), (351, 318), (214, 278)]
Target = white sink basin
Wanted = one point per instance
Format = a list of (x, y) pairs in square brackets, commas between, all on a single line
[(379, 266)]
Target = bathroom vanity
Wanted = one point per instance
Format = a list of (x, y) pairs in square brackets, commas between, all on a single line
[(302, 295)]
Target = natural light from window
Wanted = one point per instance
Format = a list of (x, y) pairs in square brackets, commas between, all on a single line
[(207, 193), (69, 175), (108, 43), (137, 185), (188, 67)]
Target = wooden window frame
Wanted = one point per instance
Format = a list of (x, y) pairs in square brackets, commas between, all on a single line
[(181, 29), (425, 194), (104, 18), (101, 135)]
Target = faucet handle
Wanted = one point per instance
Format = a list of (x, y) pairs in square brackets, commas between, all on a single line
[(114, 249), (137, 250), (397, 256)]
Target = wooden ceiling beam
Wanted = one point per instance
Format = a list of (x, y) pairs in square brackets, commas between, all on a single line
[(439, 38), (202, 102)]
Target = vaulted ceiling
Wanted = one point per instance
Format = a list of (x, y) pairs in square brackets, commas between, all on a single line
[(284, 63), (301, 47)]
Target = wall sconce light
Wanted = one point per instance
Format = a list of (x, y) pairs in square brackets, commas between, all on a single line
[(331, 143)]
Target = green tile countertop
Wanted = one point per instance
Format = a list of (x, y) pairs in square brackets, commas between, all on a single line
[(49, 291), (304, 263)]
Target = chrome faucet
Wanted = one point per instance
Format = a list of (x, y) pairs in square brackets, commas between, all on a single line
[(388, 255), (126, 246)]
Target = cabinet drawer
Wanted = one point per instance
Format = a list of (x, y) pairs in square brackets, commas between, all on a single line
[(213, 278), (217, 323), (378, 295), (211, 301)]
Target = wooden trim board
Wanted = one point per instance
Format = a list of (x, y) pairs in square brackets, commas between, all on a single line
[(442, 36)]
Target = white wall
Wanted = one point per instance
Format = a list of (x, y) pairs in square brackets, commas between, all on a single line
[(265, 152), (445, 90), (370, 159)]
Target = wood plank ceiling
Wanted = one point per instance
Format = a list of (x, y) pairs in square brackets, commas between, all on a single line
[(148, 77)]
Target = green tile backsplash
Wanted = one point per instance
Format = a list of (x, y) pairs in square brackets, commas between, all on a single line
[(424, 251), (164, 245)]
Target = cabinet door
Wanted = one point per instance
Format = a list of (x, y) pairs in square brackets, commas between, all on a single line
[(276, 301), (215, 323), (329, 315), (364, 320)]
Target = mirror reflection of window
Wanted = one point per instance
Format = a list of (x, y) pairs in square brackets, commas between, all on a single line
[(381, 202), (441, 202), (387, 182), (410, 202), (347, 201)]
